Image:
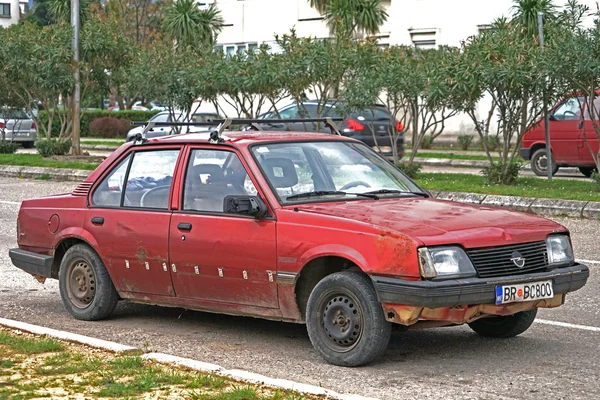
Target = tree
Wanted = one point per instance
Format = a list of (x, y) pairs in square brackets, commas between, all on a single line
[(352, 18), (189, 25), (60, 10), (507, 65), (525, 14)]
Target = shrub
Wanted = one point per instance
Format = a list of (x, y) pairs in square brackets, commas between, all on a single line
[(8, 147), (464, 141), (427, 142), (492, 142), (109, 127), (411, 169), (53, 147), (88, 116), (596, 178), (495, 175)]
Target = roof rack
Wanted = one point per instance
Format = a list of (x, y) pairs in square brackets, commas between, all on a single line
[(222, 124)]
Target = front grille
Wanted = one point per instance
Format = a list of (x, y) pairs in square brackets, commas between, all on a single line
[(496, 261)]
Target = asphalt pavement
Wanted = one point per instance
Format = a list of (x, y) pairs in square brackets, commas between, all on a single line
[(557, 358)]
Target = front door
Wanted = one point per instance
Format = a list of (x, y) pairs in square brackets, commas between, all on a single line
[(130, 222), (565, 131), (218, 257)]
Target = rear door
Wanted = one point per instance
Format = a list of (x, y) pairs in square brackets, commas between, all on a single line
[(565, 131), (129, 218)]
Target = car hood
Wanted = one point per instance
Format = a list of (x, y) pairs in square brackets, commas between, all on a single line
[(436, 222)]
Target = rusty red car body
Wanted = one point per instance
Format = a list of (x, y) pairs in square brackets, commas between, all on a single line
[(268, 267)]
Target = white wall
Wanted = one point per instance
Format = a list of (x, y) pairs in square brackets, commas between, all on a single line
[(15, 11)]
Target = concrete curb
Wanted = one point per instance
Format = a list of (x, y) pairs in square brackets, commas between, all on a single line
[(235, 374), (539, 206)]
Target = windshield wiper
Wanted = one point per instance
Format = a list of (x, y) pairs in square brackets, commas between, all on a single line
[(316, 193), (393, 191)]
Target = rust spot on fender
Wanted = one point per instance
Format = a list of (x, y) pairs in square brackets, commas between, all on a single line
[(394, 252)]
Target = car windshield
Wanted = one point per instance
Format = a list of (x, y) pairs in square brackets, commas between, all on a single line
[(325, 171)]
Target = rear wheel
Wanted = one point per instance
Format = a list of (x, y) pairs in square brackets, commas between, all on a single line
[(85, 286), (539, 163), (505, 326), (345, 320), (587, 171)]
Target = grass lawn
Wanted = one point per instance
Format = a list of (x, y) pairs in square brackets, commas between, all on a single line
[(452, 156), (36, 160), (526, 187), (114, 143), (32, 366)]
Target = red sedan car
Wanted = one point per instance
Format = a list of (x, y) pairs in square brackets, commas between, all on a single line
[(305, 227)]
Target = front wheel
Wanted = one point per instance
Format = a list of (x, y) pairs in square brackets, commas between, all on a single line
[(505, 326), (345, 321), (85, 286), (539, 163)]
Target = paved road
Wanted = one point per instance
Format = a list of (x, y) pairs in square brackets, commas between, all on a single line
[(548, 361)]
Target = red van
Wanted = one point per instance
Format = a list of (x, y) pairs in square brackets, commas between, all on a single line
[(568, 131)]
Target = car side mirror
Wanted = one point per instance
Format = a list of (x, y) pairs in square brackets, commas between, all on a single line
[(245, 205), (551, 117)]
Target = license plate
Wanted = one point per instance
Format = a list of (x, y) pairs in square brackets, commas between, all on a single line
[(525, 292)]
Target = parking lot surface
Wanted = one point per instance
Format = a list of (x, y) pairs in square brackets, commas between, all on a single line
[(558, 358)]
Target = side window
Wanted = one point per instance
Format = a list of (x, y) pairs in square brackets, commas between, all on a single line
[(149, 180), (108, 193), (161, 118), (290, 113), (569, 110), (588, 110), (308, 111), (211, 176)]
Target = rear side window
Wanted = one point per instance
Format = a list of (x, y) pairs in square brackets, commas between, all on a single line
[(149, 176)]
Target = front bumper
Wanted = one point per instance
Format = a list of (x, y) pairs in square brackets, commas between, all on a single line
[(469, 291), (33, 263)]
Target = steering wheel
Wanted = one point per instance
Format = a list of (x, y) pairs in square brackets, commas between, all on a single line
[(155, 189), (354, 184)]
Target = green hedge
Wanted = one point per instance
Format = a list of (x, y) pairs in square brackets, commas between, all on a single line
[(89, 116)]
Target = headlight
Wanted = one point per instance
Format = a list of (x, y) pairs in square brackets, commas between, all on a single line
[(560, 252), (445, 262)]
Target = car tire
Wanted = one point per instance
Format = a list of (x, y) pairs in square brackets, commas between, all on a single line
[(86, 289), (505, 326), (28, 145), (345, 320), (539, 163), (587, 171)]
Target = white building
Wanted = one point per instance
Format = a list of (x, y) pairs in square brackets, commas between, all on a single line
[(422, 23), (10, 11)]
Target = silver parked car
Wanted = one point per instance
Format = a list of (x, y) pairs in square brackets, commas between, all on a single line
[(18, 127), (178, 116)]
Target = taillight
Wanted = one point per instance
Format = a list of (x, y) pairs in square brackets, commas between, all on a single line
[(2, 125), (399, 126), (354, 125), (33, 125)]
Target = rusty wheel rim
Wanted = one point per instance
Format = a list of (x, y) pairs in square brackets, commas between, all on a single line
[(81, 284), (342, 322)]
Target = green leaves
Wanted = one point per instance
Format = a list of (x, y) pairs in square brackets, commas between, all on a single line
[(189, 25)]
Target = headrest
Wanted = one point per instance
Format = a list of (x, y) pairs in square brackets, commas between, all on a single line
[(281, 172), (215, 172)]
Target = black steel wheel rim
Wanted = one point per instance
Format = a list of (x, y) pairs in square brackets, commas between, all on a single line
[(81, 284), (342, 321)]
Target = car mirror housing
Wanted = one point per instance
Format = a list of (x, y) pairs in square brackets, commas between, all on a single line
[(245, 205)]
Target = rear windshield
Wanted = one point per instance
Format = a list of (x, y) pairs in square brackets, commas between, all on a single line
[(13, 114), (375, 114)]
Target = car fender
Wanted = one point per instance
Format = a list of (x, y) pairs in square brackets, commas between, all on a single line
[(336, 250), (75, 233)]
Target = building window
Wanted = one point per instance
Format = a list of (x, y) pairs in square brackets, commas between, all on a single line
[(241, 48), (423, 38), (482, 28), (5, 10)]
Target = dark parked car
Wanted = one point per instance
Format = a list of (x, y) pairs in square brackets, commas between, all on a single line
[(374, 127)]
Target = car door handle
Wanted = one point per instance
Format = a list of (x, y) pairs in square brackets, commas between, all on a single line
[(98, 220), (184, 226)]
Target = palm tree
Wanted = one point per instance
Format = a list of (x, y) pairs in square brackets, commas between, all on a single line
[(525, 13), (189, 25), (352, 18), (60, 10)]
